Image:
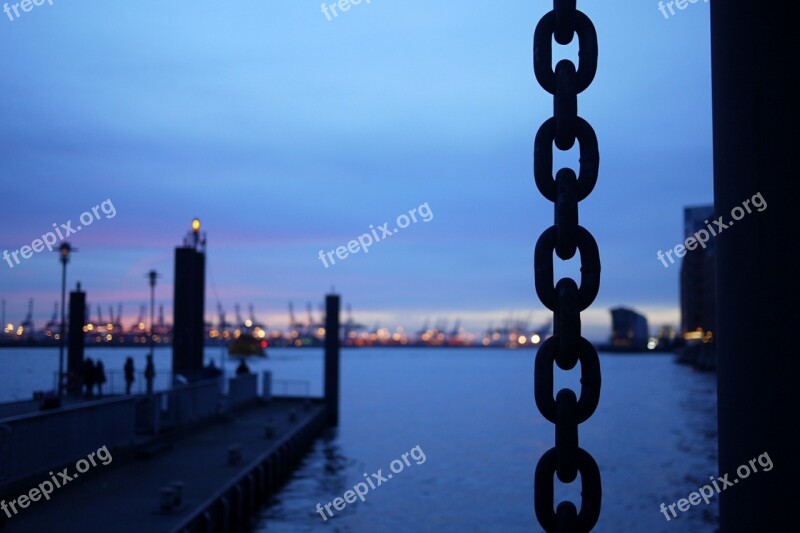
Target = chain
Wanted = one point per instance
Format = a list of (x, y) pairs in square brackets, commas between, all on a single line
[(566, 237)]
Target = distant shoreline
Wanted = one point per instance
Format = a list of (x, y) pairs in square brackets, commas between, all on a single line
[(599, 346)]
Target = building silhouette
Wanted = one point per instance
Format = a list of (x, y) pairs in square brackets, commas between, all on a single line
[(629, 329)]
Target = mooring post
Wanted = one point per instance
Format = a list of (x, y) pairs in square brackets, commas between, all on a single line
[(75, 340), (332, 358), (188, 305), (753, 86)]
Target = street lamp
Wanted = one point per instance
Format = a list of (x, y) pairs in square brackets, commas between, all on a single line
[(196, 230), (64, 250), (195, 239), (152, 275)]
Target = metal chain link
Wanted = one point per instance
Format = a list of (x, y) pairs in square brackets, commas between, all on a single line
[(566, 299)]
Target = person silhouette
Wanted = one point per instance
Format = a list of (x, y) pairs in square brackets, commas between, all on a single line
[(129, 373)]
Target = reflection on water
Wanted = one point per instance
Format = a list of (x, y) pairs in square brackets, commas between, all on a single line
[(323, 472)]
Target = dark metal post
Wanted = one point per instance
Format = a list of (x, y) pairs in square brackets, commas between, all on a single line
[(332, 344), (188, 332), (754, 87), (75, 335), (152, 275), (64, 251), (62, 329)]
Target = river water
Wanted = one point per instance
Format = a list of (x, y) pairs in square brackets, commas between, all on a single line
[(472, 414)]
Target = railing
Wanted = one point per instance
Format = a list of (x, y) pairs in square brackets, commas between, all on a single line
[(163, 381), (116, 385), (295, 388), (44, 440), (183, 404)]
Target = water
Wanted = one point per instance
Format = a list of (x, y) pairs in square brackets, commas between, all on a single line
[(472, 413)]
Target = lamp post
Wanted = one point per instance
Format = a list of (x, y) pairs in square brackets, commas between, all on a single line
[(64, 250), (152, 275)]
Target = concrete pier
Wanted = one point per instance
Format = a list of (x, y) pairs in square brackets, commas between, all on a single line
[(211, 478)]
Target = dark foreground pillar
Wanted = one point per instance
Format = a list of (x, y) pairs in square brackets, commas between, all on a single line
[(758, 288), (188, 312), (332, 358), (75, 340)]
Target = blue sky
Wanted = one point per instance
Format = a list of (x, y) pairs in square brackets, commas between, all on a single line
[(287, 133)]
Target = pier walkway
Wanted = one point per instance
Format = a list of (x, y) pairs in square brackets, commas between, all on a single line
[(244, 455)]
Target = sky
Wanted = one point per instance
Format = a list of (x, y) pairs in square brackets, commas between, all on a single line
[(287, 133)]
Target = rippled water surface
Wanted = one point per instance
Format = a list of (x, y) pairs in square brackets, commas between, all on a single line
[(472, 413)]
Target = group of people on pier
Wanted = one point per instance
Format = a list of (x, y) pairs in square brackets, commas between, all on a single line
[(93, 375), (149, 374)]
